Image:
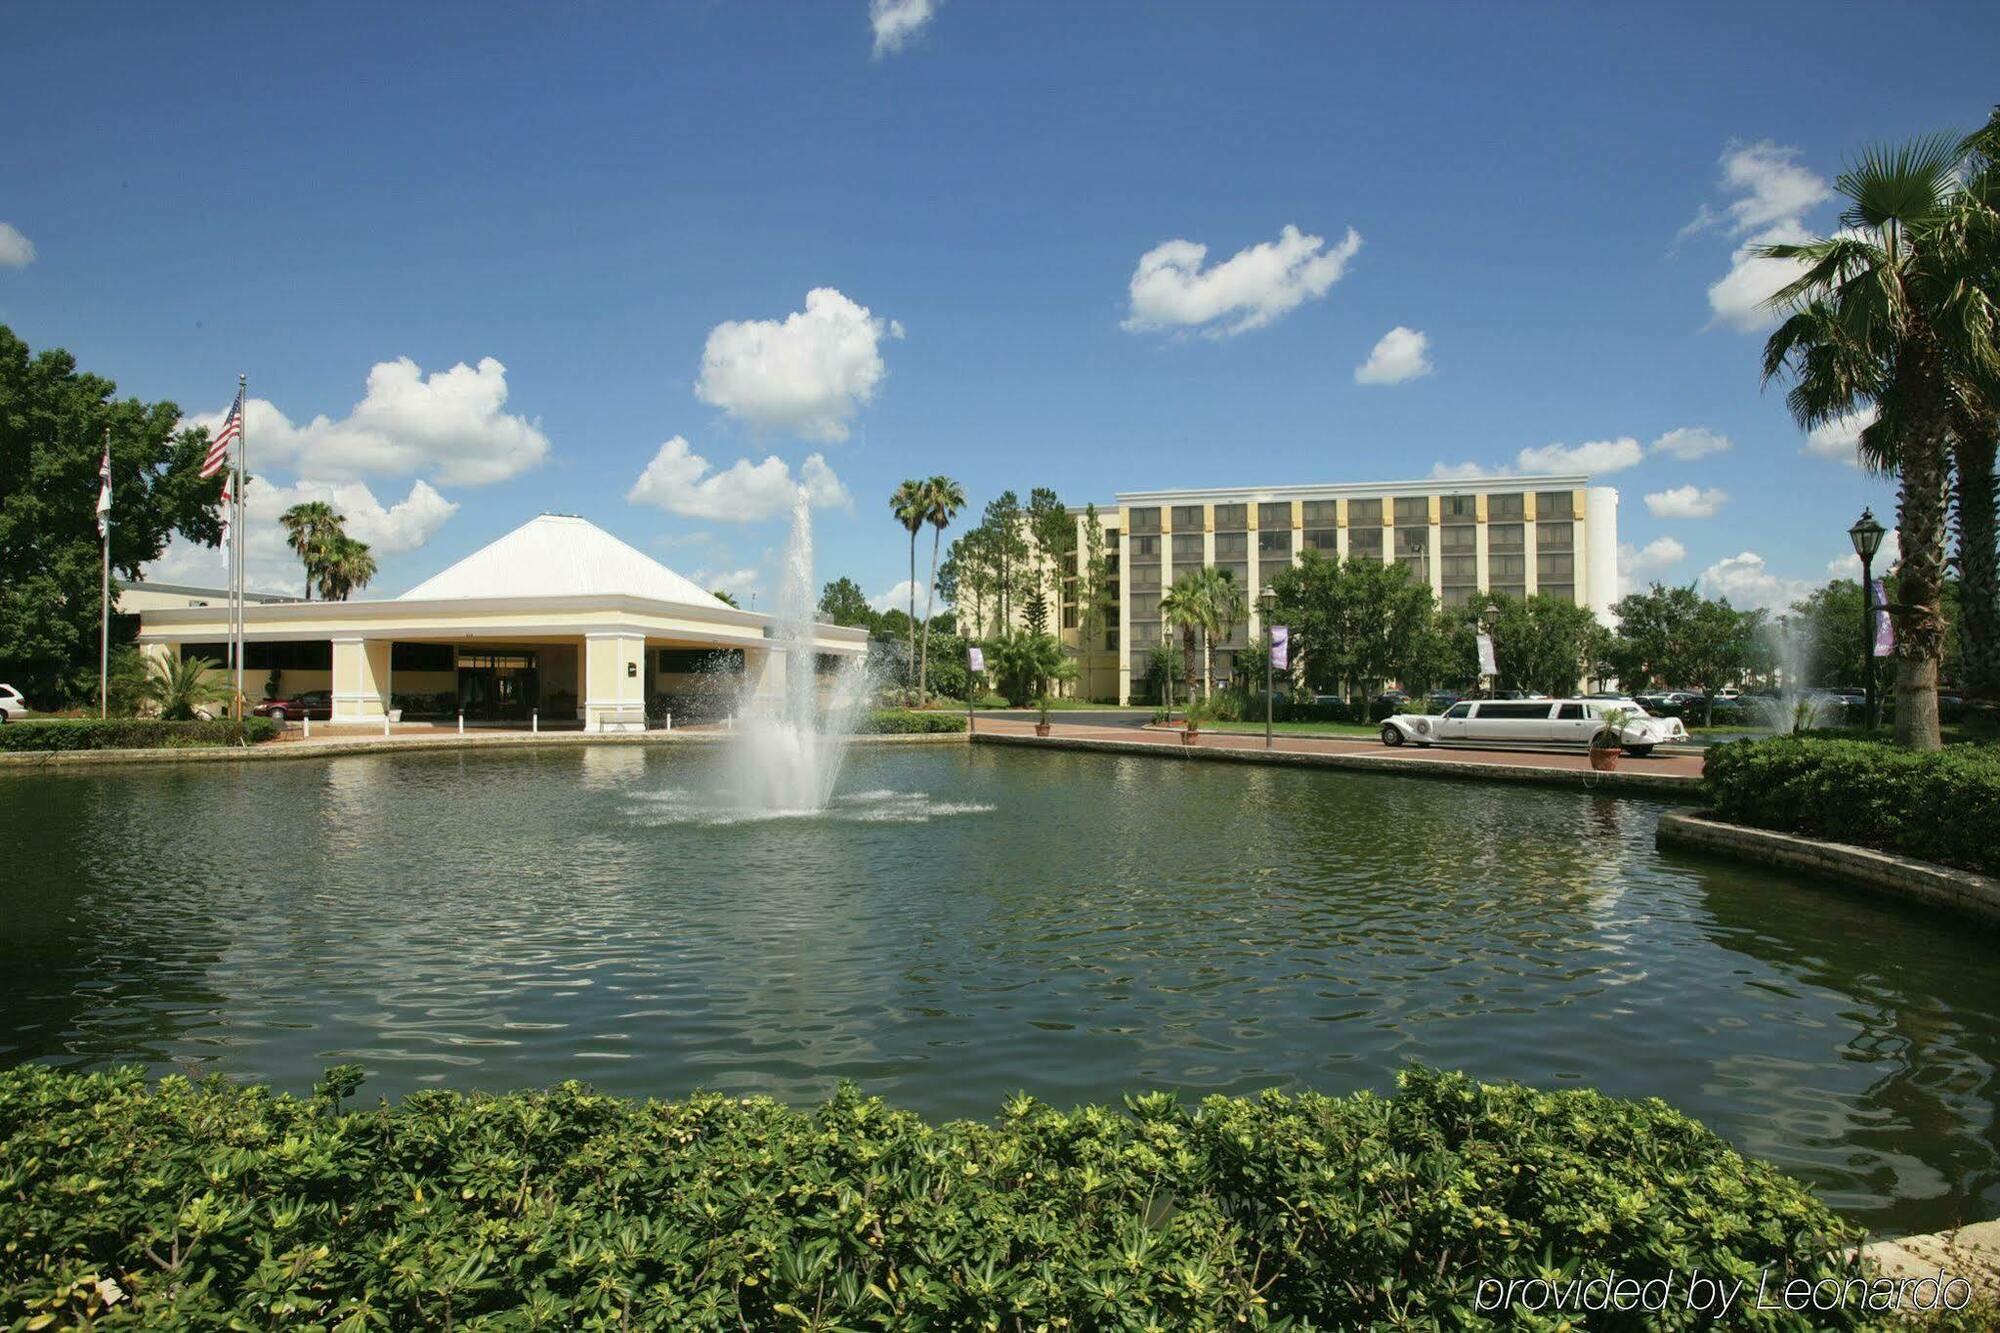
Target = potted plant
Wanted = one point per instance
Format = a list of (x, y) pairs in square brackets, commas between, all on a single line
[(1609, 739), (1197, 713), (1042, 719)]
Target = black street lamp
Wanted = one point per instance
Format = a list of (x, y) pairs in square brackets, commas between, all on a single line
[(1866, 534), (1267, 602)]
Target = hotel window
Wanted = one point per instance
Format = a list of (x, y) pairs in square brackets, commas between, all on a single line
[(1459, 508), (1145, 606), (1144, 578), (1413, 549), (1145, 548), (1232, 546), (1554, 504), (1274, 546), (1506, 538), (1187, 518), (413, 657), (1187, 548), (1069, 615), (1500, 508), (1507, 574), (1238, 572), (1459, 570), (1554, 567), (1277, 514), (1232, 518), (1364, 513), (1555, 536), (1321, 513), (1145, 520), (1365, 544), (1111, 638), (1413, 509), (1565, 592), (1458, 538), (1459, 594), (1324, 540)]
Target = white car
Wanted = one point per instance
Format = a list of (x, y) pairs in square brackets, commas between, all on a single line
[(1533, 721), (12, 705)]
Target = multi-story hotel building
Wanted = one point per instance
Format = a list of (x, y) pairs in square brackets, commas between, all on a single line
[(1555, 535)]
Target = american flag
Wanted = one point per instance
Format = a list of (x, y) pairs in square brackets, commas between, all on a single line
[(223, 546), (218, 447)]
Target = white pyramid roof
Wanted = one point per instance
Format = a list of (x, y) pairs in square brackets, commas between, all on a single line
[(560, 555)]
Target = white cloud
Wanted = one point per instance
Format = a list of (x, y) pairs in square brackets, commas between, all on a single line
[(681, 481), (1686, 502), (896, 21), (1748, 583), (1464, 471), (1773, 193), (1648, 560), (16, 250), (1171, 290), (808, 374), (1689, 443), (1847, 565), (448, 426), (272, 565), (1596, 456), (898, 598), (742, 584), (1840, 439), (1402, 354)]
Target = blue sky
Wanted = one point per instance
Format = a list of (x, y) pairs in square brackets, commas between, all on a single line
[(612, 218)]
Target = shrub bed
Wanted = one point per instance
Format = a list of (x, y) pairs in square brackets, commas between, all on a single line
[(128, 733), (910, 722), (1938, 806), (210, 1204)]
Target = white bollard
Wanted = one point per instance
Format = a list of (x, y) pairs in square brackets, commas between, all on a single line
[(308, 720), (535, 720), (385, 724), (461, 721), (668, 724)]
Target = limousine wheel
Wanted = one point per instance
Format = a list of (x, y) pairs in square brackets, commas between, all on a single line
[(1638, 751), (1391, 736), (278, 716)]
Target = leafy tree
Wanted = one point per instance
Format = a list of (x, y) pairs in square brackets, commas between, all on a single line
[(178, 686), (909, 502), (1891, 310), (1093, 581), (1006, 551), (1542, 644), (943, 498), (1354, 623), (842, 602), (726, 598), (52, 433), (1164, 665), (1676, 637), (1052, 529), (1024, 663)]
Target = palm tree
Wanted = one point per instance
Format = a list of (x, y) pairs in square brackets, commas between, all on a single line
[(1884, 312), (180, 686), (349, 567), (1222, 605), (312, 530), (1185, 605), (725, 598), (943, 499), (910, 503), (1976, 432)]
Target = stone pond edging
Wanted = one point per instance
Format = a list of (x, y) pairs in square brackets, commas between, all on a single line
[(1658, 785), (35, 761), (1963, 891)]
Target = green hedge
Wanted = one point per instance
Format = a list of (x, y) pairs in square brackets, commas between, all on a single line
[(210, 1204), (1938, 806), (128, 733), (911, 722)]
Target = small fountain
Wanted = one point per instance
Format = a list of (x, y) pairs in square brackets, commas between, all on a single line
[(1794, 708), (786, 752)]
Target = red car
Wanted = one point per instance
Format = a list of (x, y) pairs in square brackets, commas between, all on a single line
[(315, 704)]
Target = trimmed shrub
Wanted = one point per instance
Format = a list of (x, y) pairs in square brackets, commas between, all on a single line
[(208, 1204), (910, 722), (129, 733), (1938, 806)]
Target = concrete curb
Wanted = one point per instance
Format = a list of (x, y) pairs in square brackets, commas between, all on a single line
[(1656, 785), (1962, 891), (36, 761), (1970, 1252)]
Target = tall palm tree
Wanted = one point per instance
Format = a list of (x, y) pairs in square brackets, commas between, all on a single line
[(1976, 432), (1884, 312), (312, 530), (910, 503), (943, 499), (349, 568), (1222, 607), (1185, 606)]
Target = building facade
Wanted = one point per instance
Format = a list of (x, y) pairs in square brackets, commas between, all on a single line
[(1523, 536)]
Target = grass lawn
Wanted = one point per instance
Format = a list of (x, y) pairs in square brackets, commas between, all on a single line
[(1297, 728)]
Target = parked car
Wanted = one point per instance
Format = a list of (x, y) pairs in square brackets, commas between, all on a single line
[(1439, 700), (12, 705), (1533, 721), (314, 704)]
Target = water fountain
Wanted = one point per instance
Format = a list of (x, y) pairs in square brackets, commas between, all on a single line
[(786, 750), (1795, 707)]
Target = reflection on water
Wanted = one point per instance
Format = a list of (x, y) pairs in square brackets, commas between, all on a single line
[(960, 924)]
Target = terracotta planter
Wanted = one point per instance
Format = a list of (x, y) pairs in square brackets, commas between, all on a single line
[(1041, 728), (1604, 758), (1188, 736)]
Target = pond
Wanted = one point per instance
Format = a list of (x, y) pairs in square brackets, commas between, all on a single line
[(964, 923)]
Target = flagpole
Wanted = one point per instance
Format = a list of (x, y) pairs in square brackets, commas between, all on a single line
[(104, 617), (236, 563)]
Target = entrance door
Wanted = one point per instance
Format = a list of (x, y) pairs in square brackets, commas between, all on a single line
[(500, 686)]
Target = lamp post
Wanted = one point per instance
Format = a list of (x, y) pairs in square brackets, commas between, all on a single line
[(1866, 534), (1267, 602)]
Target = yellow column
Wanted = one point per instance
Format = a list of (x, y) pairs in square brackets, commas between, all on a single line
[(614, 681), (361, 679)]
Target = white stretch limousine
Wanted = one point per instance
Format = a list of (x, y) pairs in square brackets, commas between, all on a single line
[(1534, 721)]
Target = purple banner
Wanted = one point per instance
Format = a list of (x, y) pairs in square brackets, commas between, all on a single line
[(1885, 632), (1281, 648)]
